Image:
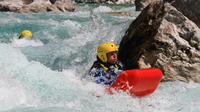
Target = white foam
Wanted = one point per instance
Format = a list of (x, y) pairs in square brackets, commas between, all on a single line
[(25, 42), (13, 94), (11, 58), (25, 83), (103, 9), (125, 1), (91, 87)]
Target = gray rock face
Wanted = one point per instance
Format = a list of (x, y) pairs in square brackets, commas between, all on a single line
[(26, 2), (164, 38), (36, 5), (190, 8), (105, 1), (10, 5)]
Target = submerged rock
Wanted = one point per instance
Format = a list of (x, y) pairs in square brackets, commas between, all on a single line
[(36, 5), (164, 38)]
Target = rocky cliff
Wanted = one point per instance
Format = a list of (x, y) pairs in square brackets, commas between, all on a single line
[(164, 38), (190, 8)]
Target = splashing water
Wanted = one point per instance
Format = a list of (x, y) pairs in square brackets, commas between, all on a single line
[(44, 74)]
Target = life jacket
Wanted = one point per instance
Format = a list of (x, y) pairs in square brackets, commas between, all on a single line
[(103, 73), (106, 66)]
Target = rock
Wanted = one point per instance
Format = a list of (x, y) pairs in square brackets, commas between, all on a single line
[(90, 1), (119, 14), (53, 1), (164, 38), (105, 1), (11, 5), (39, 6), (190, 8), (25, 6), (168, 1), (141, 4), (26, 2), (64, 5)]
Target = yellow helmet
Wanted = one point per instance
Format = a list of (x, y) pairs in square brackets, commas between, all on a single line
[(105, 48), (25, 33)]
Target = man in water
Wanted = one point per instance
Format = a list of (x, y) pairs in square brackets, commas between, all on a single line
[(26, 34), (107, 67)]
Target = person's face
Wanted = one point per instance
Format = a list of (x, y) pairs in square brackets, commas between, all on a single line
[(112, 57)]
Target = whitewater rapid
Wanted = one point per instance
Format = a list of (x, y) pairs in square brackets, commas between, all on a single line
[(44, 74)]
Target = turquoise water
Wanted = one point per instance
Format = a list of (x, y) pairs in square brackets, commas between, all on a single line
[(44, 74)]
